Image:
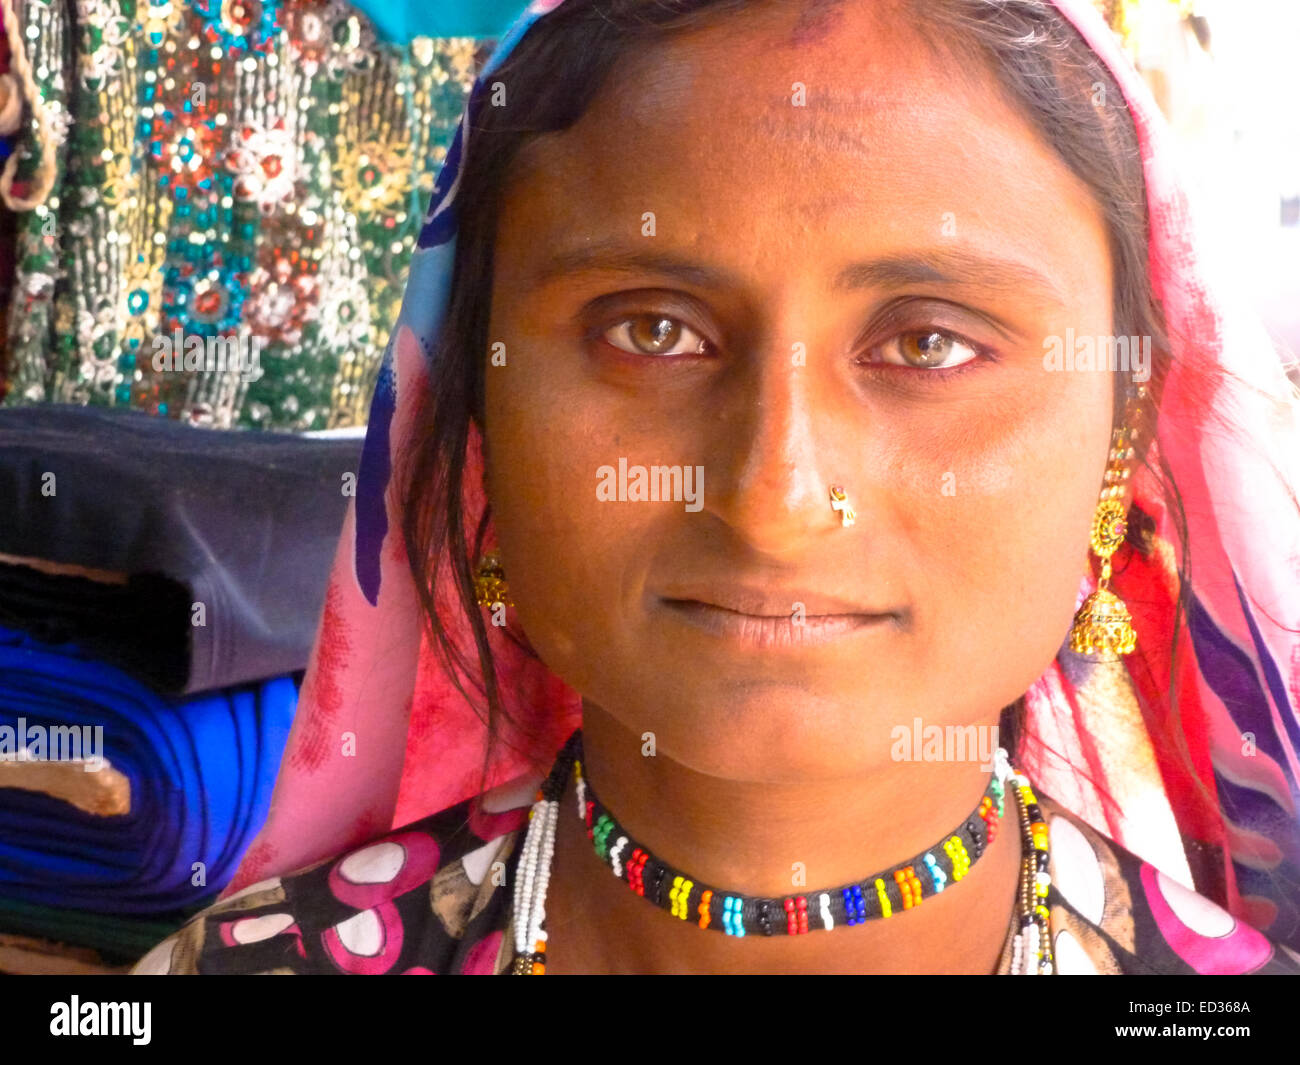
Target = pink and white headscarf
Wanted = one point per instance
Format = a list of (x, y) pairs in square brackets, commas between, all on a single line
[(1109, 747)]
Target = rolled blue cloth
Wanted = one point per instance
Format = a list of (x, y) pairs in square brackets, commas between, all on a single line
[(201, 771)]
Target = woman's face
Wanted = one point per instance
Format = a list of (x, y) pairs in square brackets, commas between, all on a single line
[(708, 273)]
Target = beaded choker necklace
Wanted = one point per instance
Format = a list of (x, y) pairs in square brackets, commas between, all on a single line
[(882, 896)]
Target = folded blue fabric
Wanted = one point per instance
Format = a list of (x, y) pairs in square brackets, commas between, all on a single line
[(201, 771)]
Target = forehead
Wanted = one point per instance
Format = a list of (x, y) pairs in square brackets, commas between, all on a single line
[(804, 122)]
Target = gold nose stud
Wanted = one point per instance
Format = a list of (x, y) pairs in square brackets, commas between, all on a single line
[(840, 502)]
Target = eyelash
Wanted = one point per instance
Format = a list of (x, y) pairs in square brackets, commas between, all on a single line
[(982, 356)]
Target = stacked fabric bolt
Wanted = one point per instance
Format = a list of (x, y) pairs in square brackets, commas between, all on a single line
[(222, 541), (155, 815), (160, 587)]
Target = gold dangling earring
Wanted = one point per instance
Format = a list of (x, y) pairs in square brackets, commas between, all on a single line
[(1103, 626), (490, 585)]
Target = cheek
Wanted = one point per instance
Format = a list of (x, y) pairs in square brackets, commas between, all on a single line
[(1000, 535), (560, 545)]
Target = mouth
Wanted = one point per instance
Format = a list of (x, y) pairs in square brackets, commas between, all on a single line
[(763, 628)]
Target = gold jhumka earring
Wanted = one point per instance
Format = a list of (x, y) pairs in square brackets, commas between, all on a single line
[(490, 585), (1103, 626)]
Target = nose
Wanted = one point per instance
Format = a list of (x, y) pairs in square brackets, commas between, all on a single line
[(774, 456)]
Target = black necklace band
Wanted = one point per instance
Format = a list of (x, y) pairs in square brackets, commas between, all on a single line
[(889, 892)]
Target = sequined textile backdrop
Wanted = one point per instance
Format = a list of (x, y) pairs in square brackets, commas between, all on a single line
[(252, 170)]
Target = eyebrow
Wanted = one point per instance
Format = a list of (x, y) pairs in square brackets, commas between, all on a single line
[(934, 266), (948, 267)]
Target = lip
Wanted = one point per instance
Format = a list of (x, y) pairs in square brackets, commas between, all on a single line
[(765, 619)]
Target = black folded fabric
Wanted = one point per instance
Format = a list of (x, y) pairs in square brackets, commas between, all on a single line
[(243, 523), (141, 627)]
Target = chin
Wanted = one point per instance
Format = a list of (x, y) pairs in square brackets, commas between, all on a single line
[(770, 733)]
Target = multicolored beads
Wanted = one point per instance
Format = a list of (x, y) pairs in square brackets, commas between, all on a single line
[(939, 876), (956, 851), (989, 816), (679, 894), (899, 889), (600, 834), (855, 910), (886, 909), (732, 921), (904, 887), (1032, 949), (828, 921), (796, 915), (909, 887), (636, 871)]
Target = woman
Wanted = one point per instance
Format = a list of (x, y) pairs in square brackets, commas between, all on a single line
[(823, 287)]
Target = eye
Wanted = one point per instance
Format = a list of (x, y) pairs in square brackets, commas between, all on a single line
[(655, 334), (926, 350)]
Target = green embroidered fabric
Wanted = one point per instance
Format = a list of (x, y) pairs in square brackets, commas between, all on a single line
[(239, 186)]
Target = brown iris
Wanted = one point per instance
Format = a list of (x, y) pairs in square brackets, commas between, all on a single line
[(925, 349), (653, 334)]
